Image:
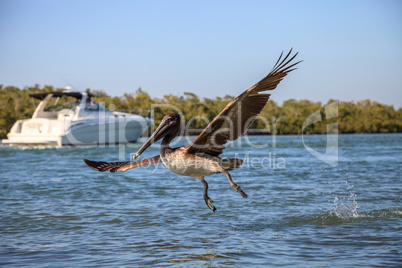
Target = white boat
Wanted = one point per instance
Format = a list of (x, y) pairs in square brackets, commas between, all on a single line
[(72, 118)]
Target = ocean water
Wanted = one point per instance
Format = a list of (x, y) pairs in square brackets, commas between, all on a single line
[(57, 212)]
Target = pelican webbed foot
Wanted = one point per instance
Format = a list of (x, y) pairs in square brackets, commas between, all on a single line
[(239, 190), (208, 200), (234, 185)]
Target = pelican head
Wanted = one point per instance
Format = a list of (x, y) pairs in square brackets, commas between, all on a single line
[(169, 127)]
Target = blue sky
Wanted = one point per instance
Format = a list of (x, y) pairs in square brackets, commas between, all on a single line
[(352, 50)]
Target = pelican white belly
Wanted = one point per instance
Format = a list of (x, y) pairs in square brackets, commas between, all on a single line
[(194, 166)]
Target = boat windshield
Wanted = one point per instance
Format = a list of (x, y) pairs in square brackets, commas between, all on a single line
[(63, 102), (68, 102), (94, 106)]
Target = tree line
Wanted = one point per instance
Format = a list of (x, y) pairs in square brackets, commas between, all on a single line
[(364, 116)]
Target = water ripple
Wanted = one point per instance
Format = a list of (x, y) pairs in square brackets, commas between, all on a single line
[(55, 211)]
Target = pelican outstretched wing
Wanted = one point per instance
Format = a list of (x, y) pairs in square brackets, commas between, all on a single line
[(121, 166), (240, 113)]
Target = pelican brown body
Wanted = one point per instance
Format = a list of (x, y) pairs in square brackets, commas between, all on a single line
[(201, 158)]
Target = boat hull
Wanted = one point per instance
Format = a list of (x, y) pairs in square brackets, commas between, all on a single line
[(78, 133)]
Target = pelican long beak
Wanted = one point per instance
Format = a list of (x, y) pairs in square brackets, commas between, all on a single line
[(159, 133)]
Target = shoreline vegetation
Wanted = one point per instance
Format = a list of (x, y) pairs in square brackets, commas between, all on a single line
[(364, 116)]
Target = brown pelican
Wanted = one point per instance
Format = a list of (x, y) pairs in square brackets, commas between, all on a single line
[(201, 157)]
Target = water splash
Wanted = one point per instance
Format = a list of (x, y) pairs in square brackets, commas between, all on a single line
[(348, 209), (345, 211)]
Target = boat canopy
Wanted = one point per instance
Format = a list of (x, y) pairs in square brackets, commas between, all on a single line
[(42, 96)]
